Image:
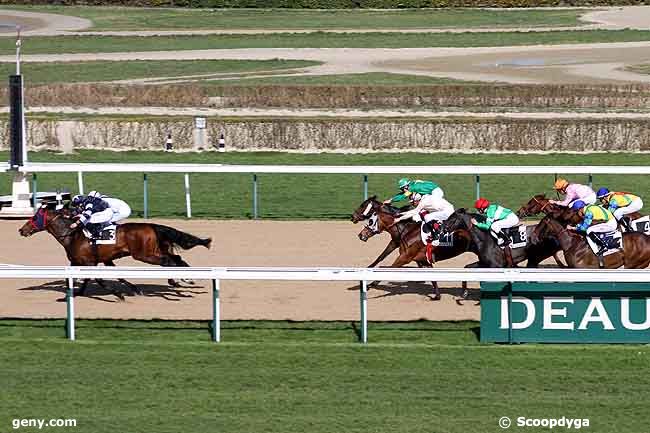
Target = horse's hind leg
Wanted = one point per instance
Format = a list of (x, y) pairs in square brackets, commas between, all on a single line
[(434, 284), (82, 289)]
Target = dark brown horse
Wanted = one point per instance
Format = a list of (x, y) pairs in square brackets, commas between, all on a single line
[(407, 236), (149, 243), (540, 204), (578, 254)]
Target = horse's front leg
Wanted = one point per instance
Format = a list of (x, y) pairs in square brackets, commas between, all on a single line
[(434, 284)]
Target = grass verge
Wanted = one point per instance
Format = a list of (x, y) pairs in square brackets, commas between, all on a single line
[(296, 377), (112, 44), (115, 18)]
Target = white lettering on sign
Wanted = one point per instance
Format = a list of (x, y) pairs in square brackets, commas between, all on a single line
[(596, 306), (625, 316), (553, 313), (550, 312), (530, 313)]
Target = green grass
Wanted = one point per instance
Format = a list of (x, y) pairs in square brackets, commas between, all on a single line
[(112, 18), (318, 196), (79, 72), (79, 44), (367, 79), (309, 377)]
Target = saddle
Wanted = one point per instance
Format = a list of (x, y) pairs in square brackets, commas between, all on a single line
[(613, 242), (108, 235)]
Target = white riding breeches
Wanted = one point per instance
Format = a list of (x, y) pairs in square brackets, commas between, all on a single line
[(440, 215), (101, 217), (635, 206), (590, 199), (438, 193), (120, 210), (609, 226), (509, 221)]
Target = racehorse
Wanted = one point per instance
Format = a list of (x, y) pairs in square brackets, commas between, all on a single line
[(363, 212), (540, 204), (490, 254), (407, 236), (578, 254), (146, 242)]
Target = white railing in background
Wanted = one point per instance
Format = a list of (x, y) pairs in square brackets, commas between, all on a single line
[(364, 170), (363, 275)]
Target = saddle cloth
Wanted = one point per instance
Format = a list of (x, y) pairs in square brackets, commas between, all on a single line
[(642, 225), (107, 236), (518, 236), (446, 239), (613, 240)]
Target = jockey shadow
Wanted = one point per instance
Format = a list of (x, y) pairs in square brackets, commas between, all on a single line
[(98, 292)]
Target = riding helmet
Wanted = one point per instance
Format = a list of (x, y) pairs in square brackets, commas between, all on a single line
[(602, 193), (577, 205), (561, 184), (481, 204), (403, 182)]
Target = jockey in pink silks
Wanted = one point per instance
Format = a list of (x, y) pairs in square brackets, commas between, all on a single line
[(573, 192)]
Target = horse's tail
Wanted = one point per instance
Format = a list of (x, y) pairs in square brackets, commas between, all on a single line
[(177, 237)]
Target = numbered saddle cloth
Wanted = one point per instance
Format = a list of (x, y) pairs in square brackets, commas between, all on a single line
[(518, 236), (446, 239), (641, 225), (108, 235), (612, 240)]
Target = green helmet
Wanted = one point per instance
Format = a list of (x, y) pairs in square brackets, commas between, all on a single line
[(403, 182)]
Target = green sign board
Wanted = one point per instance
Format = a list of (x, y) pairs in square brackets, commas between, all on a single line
[(565, 312)]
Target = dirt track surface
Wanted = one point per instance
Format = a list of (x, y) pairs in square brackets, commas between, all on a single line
[(236, 243)]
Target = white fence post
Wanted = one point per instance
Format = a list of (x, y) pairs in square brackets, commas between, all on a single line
[(188, 200), (70, 310), (80, 181), (216, 312), (363, 323)]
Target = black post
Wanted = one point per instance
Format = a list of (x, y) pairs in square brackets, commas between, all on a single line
[(16, 120)]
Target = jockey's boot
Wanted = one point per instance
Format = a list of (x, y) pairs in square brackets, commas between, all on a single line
[(433, 228), (626, 223), (599, 243)]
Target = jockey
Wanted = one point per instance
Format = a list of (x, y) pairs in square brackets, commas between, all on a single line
[(574, 192), (408, 187), (596, 219), (498, 218), (620, 204), (97, 211), (430, 209)]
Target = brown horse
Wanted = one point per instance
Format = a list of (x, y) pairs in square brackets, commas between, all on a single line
[(578, 254), (363, 212), (149, 243), (407, 236)]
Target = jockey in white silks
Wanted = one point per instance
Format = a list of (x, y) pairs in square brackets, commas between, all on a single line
[(431, 210)]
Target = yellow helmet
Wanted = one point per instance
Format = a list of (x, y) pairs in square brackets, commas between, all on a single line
[(561, 184)]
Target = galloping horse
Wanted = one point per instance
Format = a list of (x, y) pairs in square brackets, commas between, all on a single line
[(149, 243), (363, 212), (407, 236), (490, 254), (540, 204), (578, 254)]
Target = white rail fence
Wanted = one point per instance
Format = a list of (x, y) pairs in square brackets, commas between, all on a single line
[(254, 170), (363, 275)]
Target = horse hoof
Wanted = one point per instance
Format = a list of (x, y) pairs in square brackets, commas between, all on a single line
[(120, 296), (459, 301)]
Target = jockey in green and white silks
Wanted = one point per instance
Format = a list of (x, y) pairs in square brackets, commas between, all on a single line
[(422, 187), (497, 218), (431, 210)]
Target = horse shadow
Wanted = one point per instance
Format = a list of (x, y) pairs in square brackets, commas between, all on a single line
[(97, 292), (418, 288)]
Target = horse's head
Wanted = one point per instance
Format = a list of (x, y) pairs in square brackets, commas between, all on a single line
[(371, 228), (364, 210), (535, 205), (39, 221)]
